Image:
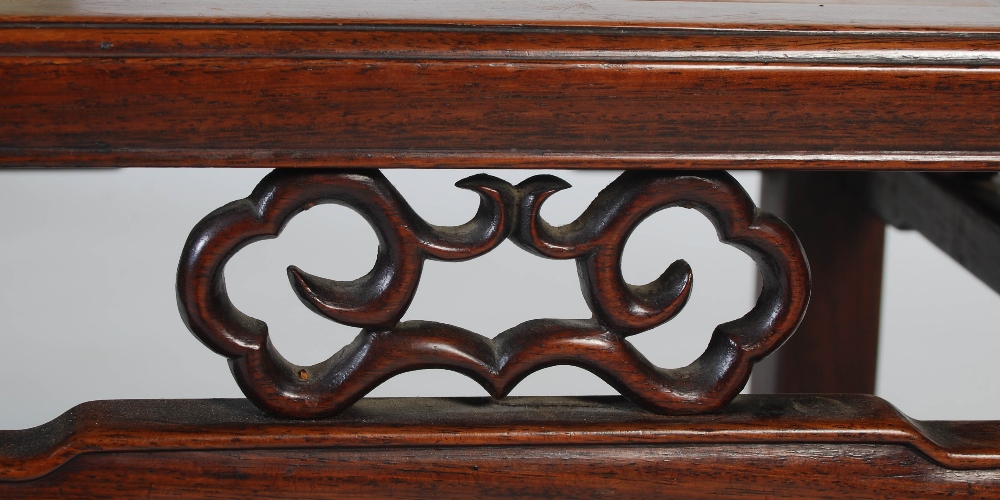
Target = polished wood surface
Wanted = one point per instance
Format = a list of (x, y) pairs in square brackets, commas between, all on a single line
[(94, 90), (376, 302), (605, 84), (578, 472), (775, 446), (835, 348)]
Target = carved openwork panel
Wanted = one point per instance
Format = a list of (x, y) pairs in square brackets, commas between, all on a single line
[(376, 302)]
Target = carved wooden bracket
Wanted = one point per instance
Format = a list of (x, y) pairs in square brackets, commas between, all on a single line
[(376, 301)]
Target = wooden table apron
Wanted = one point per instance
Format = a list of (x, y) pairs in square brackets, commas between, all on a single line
[(105, 84), (495, 95)]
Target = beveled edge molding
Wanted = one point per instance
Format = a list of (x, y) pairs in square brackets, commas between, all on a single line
[(376, 302), (964, 56), (234, 425), (31, 158)]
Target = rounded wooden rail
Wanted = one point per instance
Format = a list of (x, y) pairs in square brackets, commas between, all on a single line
[(232, 425)]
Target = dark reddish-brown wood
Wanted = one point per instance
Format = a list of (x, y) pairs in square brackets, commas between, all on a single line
[(379, 299), (513, 84), (146, 85), (836, 346), (758, 446)]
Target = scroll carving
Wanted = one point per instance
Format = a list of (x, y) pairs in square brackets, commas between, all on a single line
[(376, 302)]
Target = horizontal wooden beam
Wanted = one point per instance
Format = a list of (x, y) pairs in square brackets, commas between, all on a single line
[(960, 213), (575, 447), (154, 92)]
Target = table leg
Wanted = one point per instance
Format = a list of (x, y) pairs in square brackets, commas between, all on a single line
[(835, 348)]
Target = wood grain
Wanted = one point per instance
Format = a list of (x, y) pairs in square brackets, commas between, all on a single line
[(482, 84), (579, 472), (155, 92), (835, 349), (377, 301), (777, 446)]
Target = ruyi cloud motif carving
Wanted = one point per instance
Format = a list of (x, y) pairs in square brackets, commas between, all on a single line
[(376, 302)]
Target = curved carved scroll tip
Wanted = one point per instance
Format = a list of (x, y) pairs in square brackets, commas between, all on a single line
[(531, 192), (544, 183), (480, 182), (379, 299), (347, 302), (489, 227), (663, 297)]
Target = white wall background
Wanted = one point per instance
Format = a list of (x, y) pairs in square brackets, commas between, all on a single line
[(87, 307)]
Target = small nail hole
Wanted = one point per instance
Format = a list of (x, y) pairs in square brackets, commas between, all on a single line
[(303, 375)]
